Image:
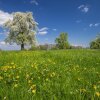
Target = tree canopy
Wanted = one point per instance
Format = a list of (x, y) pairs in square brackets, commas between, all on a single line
[(62, 41), (95, 44), (21, 29)]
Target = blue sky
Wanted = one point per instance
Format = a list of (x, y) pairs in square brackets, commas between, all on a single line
[(79, 18)]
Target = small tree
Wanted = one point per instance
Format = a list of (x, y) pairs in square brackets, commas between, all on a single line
[(21, 29), (62, 41), (96, 43)]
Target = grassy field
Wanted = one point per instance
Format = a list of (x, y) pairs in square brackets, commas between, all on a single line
[(50, 75)]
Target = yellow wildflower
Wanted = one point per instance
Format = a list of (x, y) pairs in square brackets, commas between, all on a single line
[(5, 98), (47, 79), (38, 77), (33, 91), (82, 90), (54, 63), (32, 78), (33, 88), (35, 66), (97, 94), (1, 77), (53, 74), (14, 67), (17, 77), (94, 86), (10, 67), (49, 60), (9, 76), (78, 79), (32, 66), (29, 81), (12, 63), (16, 85), (27, 76)]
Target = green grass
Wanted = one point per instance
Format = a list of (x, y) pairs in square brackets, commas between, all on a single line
[(50, 75)]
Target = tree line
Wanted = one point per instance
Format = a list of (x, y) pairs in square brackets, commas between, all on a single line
[(22, 30)]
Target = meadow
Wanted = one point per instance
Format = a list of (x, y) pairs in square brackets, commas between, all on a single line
[(50, 75)]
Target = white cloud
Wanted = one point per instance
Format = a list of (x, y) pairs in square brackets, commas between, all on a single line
[(43, 31), (94, 25), (5, 16), (34, 2), (2, 43), (90, 25), (86, 9), (83, 8), (54, 29)]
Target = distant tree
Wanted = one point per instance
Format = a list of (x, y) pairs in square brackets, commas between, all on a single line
[(43, 47), (95, 44), (76, 47), (21, 29), (62, 41), (34, 48)]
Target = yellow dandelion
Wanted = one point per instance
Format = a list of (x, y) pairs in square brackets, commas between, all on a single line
[(94, 86), (34, 66), (85, 68), (16, 85), (14, 67), (49, 60), (78, 79), (12, 63), (53, 74), (5, 98), (54, 63), (97, 94), (34, 91), (29, 81), (33, 88), (32, 78), (17, 77), (10, 67), (47, 79), (27, 76), (82, 90), (38, 77), (1, 78), (9, 76)]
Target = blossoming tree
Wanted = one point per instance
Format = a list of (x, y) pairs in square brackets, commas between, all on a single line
[(21, 29)]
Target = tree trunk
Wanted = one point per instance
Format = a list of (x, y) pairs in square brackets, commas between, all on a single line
[(22, 46)]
